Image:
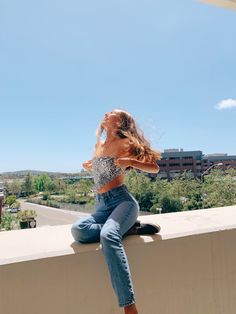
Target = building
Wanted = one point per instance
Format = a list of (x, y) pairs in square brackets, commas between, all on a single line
[(175, 161), (227, 161)]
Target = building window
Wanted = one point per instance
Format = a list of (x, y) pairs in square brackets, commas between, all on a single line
[(174, 165), (188, 164)]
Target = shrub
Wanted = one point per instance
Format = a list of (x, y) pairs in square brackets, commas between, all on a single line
[(25, 214), (8, 221), (10, 200)]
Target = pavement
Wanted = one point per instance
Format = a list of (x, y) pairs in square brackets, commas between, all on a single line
[(50, 216)]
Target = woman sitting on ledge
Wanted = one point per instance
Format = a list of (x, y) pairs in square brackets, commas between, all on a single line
[(116, 209)]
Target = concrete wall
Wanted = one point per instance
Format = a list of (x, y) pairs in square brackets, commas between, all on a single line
[(188, 273)]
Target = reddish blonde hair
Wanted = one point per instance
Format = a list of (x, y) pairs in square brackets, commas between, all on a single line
[(139, 145)]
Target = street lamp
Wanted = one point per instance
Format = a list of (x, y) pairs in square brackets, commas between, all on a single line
[(1, 200), (202, 179), (208, 169)]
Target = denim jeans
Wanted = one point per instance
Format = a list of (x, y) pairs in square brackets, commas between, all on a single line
[(116, 212)]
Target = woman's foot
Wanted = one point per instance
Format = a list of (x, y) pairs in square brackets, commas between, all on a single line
[(131, 309), (143, 228)]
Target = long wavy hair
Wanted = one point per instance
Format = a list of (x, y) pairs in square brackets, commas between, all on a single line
[(138, 146)]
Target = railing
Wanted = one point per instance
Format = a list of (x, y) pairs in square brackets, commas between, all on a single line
[(190, 267)]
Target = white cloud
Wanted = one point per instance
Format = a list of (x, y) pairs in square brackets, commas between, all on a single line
[(226, 104)]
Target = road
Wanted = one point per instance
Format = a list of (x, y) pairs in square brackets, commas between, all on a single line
[(50, 216)]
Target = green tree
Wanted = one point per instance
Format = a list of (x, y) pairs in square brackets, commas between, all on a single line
[(11, 199), (15, 187), (9, 221), (6, 188), (28, 186), (142, 189), (59, 186), (43, 183), (71, 194), (219, 188), (170, 204), (84, 187), (183, 188)]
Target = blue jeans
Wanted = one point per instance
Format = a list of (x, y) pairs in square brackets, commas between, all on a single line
[(116, 212)]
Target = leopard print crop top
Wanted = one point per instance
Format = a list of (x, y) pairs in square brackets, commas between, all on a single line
[(104, 170)]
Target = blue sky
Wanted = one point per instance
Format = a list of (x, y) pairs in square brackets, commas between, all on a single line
[(63, 64)]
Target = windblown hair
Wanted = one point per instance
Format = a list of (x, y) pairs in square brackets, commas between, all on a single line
[(139, 146)]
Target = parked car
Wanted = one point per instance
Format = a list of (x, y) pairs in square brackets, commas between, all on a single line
[(13, 210)]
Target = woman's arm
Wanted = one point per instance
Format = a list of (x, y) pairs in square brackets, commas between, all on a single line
[(88, 165), (150, 167)]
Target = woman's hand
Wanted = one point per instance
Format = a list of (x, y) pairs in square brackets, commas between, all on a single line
[(88, 165)]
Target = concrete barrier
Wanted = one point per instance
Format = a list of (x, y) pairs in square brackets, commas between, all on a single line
[(190, 267)]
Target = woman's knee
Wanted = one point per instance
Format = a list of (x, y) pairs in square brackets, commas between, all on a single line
[(80, 232), (110, 235)]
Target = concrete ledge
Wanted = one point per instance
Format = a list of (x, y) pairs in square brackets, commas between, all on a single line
[(190, 267), (31, 244)]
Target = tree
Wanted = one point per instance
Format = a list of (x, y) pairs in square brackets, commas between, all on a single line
[(15, 187), (59, 186), (84, 187), (219, 188), (43, 183), (71, 195), (170, 204), (6, 188), (142, 189), (11, 199), (28, 186), (9, 221)]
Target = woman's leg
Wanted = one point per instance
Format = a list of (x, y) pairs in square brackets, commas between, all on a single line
[(86, 230), (117, 224)]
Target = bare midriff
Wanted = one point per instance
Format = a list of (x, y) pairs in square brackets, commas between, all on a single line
[(113, 184)]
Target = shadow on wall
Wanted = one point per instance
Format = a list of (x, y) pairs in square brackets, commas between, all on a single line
[(81, 247)]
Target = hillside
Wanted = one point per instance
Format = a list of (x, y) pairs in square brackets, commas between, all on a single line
[(22, 173)]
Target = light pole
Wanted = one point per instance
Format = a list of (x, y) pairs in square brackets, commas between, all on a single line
[(202, 179), (1, 200), (208, 169)]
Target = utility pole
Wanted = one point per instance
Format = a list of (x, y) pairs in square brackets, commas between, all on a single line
[(1, 200), (202, 178), (208, 169)]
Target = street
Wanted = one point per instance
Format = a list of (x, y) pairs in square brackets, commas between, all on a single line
[(50, 216)]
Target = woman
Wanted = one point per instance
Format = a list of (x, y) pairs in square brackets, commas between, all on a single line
[(116, 209)]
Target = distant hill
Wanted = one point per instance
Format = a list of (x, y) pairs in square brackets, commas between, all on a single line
[(23, 173)]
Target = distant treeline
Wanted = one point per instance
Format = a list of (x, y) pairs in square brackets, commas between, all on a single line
[(159, 195)]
